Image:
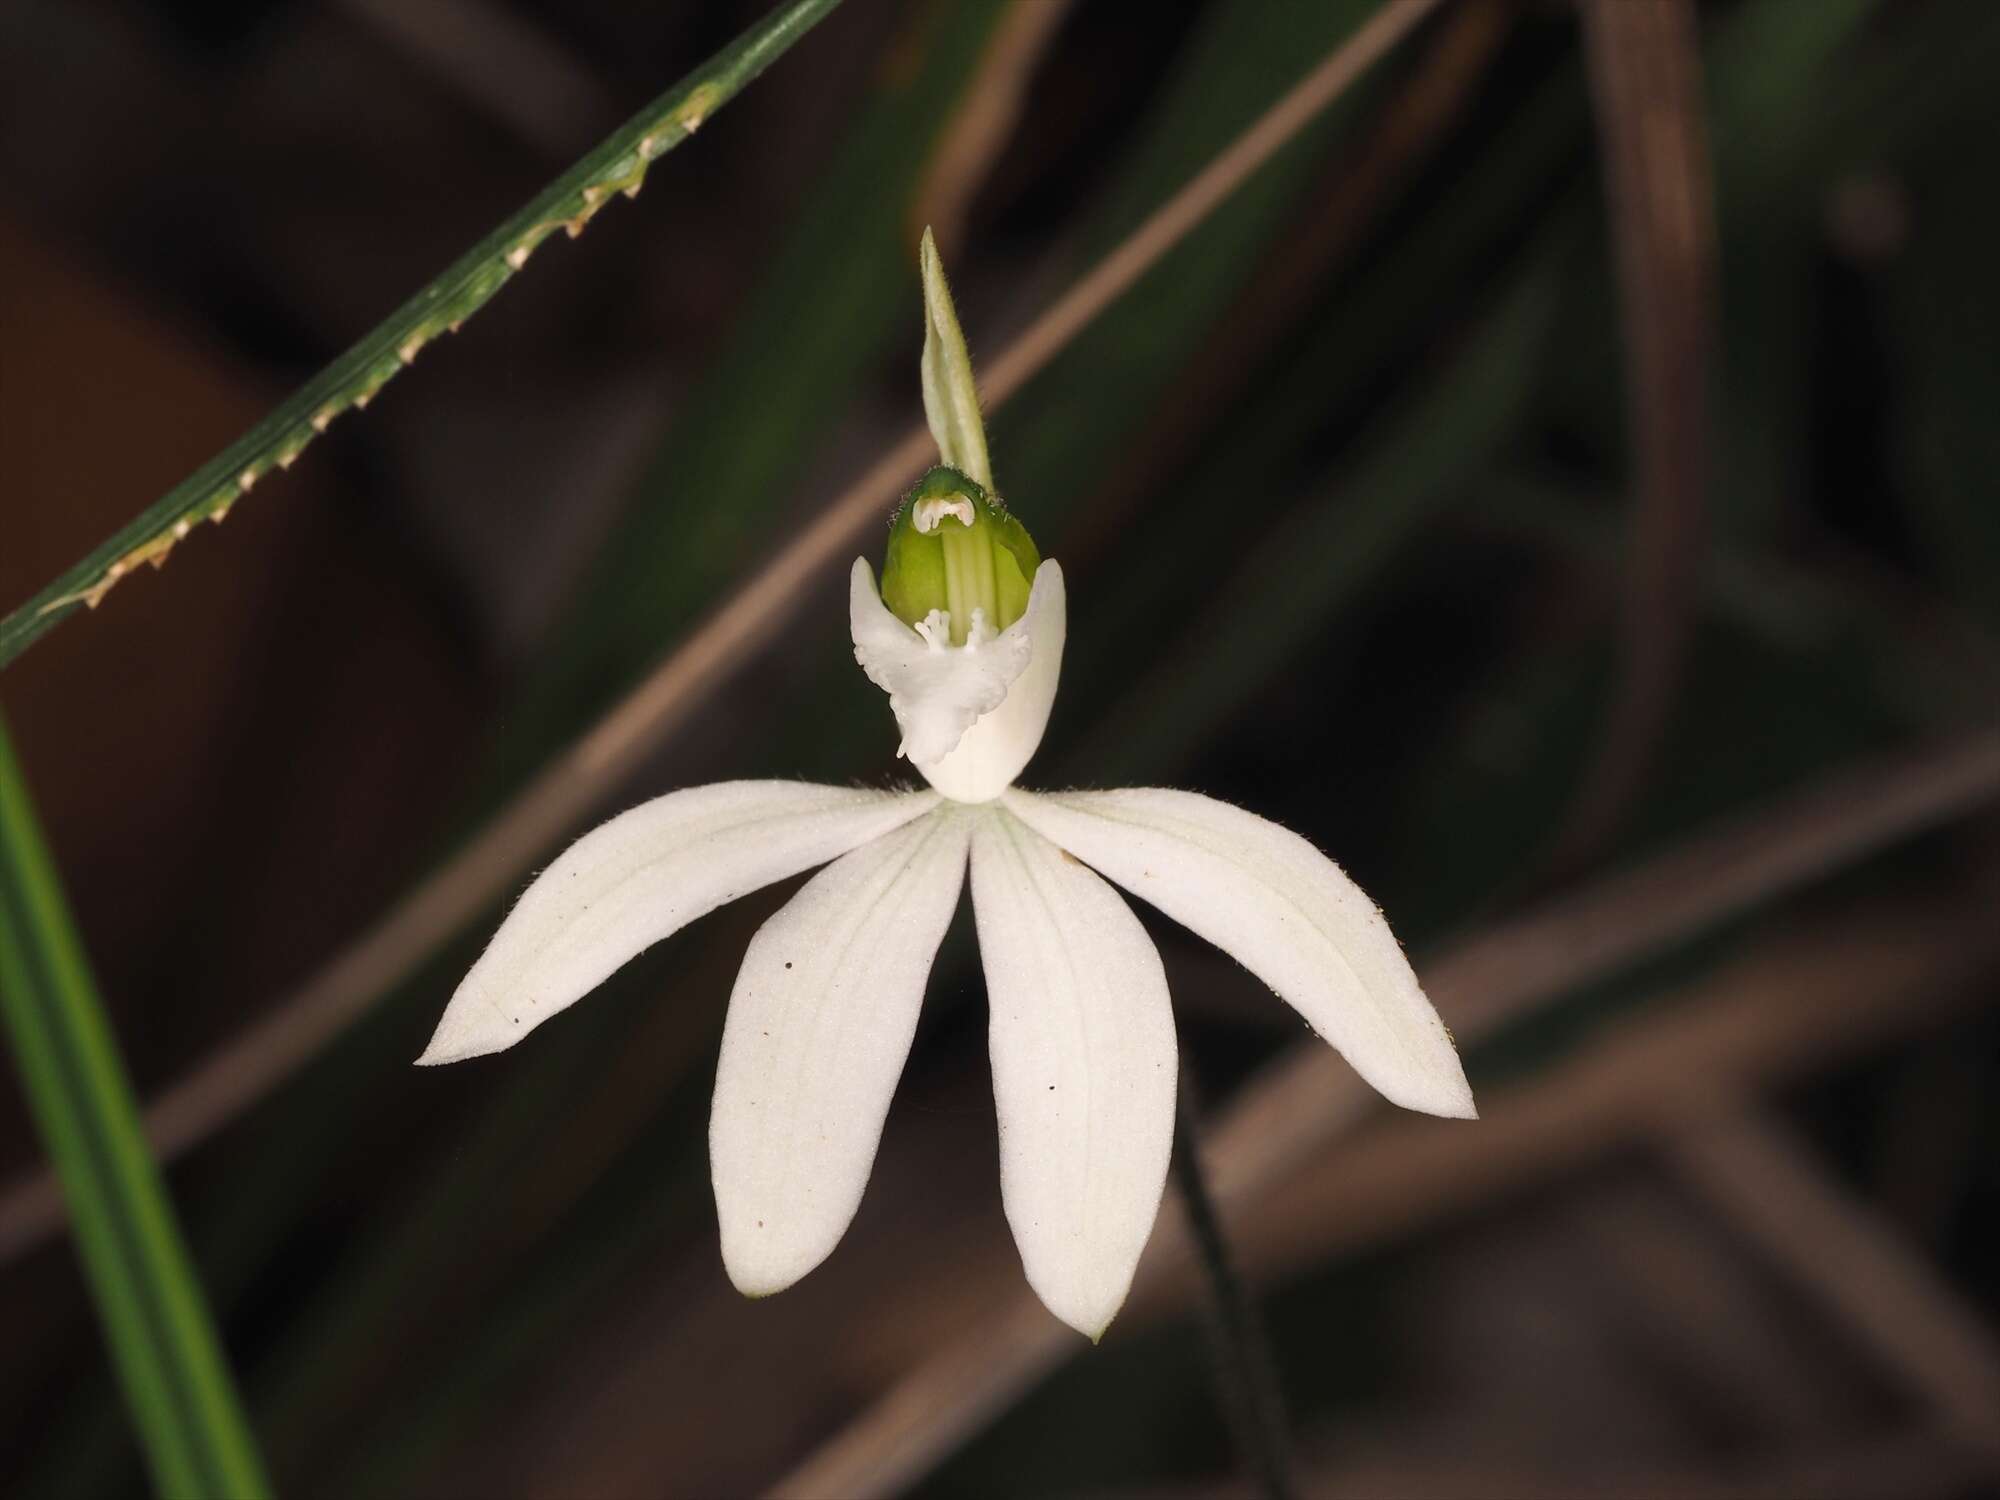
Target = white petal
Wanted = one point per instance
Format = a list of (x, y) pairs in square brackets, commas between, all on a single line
[(1280, 908), (819, 1026), (1083, 1068), (641, 877), (972, 716)]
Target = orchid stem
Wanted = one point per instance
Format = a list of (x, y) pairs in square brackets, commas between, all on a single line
[(1246, 1375)]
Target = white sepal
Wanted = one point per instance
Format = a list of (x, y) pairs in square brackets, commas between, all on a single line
[(642, 877), (971, 716), (1084, 1063), (1280, 908), (819, 1027)]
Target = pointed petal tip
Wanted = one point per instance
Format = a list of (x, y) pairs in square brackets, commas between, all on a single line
[(1087, 1310), (465, 1032), (1092, 1322), (443, 1050), (1455, 1101), (438, 1051), (755, 1281), (1448, 1099)]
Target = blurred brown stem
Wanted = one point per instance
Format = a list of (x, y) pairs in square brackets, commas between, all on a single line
[(1645, 82), (1771, 1187), (987, 113), (1355, 189)]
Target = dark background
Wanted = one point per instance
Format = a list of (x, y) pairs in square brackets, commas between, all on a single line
[(1399, 503)]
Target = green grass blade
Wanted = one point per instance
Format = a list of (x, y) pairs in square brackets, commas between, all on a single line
[(617, 165), (164, 1348)]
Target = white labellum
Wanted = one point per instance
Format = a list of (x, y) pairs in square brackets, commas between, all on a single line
[(971, 715)]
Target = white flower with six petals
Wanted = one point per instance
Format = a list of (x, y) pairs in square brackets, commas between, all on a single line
[(825, 1006)]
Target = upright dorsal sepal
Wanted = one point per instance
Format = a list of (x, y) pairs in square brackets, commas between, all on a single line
[(951, 399)]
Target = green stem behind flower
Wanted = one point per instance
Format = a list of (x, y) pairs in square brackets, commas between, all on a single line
[(1246, 1374)]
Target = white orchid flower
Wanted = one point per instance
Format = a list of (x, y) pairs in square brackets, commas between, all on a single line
[(966, 637)]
